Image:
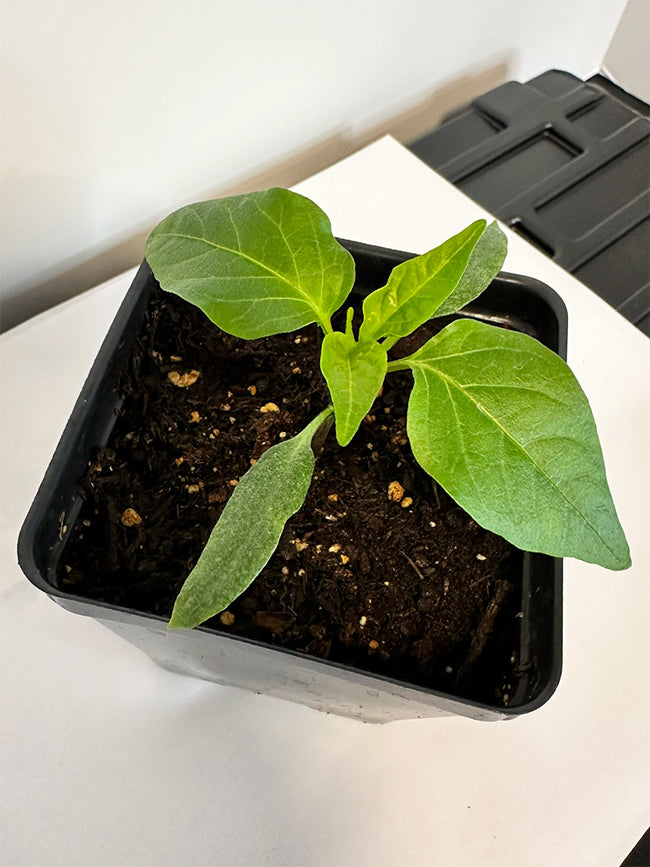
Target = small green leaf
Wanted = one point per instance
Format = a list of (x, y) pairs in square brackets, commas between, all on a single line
[(502, 424), (448, 276), (354, 373), (257, 264), (249, 529), (485, 262)]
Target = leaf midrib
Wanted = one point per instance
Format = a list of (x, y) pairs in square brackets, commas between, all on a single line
[(418, 286), (256, 262), (348, 364)]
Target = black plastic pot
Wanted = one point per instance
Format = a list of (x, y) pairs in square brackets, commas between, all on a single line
[(517, 302)]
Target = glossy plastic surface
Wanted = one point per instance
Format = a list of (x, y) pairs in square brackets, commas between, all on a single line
[(565, 163)]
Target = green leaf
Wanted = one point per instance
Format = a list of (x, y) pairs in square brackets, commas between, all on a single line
[(257, 264), (485, 262), (249, 529), (446, 277), (502, 424), (354, 373)]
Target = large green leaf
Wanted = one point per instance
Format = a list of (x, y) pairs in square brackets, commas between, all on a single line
[(249, 529), (448, 275), (354, 373), (502, 424), (257, 264)]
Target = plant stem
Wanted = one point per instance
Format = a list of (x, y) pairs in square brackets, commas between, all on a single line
[(389, 342), (398, 364), (326, 325)]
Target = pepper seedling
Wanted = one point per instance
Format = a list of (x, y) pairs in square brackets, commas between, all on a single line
[(494, 417)]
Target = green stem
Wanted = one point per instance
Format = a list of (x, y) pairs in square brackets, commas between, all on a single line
[(315, 423), (389, 342), (326, 325), (398, 364)]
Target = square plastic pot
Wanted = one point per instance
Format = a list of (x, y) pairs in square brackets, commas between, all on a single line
[(516, 302)]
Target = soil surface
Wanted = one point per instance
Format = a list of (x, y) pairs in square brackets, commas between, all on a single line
[(380, 569)]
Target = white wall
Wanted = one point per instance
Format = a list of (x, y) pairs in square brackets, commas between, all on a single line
[(627, 61), (116, 111)]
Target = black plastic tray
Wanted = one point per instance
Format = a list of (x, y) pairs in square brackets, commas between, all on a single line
[(567, 165), (520, 303)]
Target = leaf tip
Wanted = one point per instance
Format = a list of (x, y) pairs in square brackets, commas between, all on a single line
[(180, 619), (624, 562), (343, 437), (174, 623), (618, 550)]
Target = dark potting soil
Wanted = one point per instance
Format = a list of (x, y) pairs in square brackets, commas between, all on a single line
[(408, 587)]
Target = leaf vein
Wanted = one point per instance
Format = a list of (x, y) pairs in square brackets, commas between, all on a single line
[(255, 262), (506, 433)]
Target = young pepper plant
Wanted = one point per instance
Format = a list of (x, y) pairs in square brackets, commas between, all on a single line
[(494, 417)]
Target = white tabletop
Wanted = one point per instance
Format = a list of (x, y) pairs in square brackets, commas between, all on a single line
[(108, 760)]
